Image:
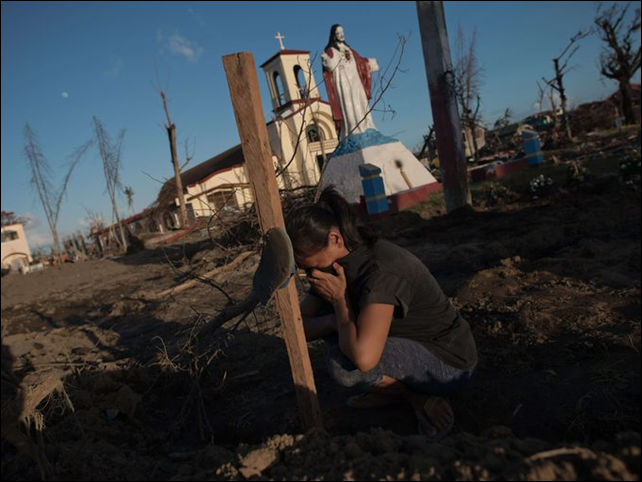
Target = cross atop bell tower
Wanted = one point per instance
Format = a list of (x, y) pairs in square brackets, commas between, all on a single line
[(280, 38)]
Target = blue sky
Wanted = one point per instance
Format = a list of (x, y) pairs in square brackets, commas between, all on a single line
[(64, 62)]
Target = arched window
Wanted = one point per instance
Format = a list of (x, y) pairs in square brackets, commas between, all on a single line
[(299, 75), (314, 134), (278, 87)]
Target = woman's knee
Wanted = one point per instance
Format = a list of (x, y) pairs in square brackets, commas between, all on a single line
[(343, 371)]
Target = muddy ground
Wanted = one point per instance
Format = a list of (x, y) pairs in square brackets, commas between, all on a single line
[(550, 286)]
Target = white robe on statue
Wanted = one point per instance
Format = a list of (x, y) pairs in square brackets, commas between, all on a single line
[(349, 90)]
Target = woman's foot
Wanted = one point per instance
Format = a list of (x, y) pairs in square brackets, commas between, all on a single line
[(435, 416), (373, 400)]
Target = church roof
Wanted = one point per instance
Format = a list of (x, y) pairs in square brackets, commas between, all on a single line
[(285, 52), (225, 160)]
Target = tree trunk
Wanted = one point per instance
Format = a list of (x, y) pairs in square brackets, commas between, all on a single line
[(566, 125), (171, 133), (627, 102), (553, 107)]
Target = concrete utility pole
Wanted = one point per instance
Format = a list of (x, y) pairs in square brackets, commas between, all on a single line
[(439, 70)]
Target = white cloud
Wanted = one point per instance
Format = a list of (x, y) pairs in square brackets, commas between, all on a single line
[(30, 221), (181, 46), (64, 95), (36, 231), (38, 239)]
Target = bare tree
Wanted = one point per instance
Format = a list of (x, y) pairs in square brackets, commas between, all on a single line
[(95, 221), (170, 127), (541, 94), (561, 67), (619, 60), (504, 120), (429, 144), (467, 80), (41, 175), (129, 194), (554, 107), (110, 155), (549, 92)]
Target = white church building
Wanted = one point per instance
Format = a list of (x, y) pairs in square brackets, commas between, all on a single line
[(302, 136)]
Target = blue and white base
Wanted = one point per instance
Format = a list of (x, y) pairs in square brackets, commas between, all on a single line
[(372, 147)]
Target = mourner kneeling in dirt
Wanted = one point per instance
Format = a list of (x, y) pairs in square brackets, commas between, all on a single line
[(391, 329)]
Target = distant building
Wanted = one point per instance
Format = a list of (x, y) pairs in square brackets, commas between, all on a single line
[(16, 255), (542, 121), (469, 145), (145, 225)]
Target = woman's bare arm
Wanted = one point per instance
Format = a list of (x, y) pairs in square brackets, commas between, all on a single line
[(363, 340), (316, 327)]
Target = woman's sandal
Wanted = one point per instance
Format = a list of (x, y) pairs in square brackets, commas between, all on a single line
[(372, 400), (426, 413)]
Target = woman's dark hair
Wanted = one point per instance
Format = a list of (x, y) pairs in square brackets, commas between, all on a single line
[(308, 226), (332, 42)]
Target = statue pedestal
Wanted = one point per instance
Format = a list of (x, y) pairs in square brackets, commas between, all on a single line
[(404, 177)]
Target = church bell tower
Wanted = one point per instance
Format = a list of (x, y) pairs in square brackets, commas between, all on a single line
[(290, 79)]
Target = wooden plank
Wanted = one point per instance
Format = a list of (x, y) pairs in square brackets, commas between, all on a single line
[(248, 111), (434, 40)]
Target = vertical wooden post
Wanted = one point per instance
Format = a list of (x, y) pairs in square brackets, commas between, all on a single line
[(248, 111), (439, 70)]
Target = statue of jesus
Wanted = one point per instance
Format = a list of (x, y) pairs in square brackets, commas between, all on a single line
[(348, 80)]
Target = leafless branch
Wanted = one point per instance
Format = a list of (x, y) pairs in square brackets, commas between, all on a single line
[(110, 154), (41, 175)]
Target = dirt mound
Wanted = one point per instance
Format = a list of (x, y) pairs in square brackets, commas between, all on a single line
[(383, 455), (551, 290)]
